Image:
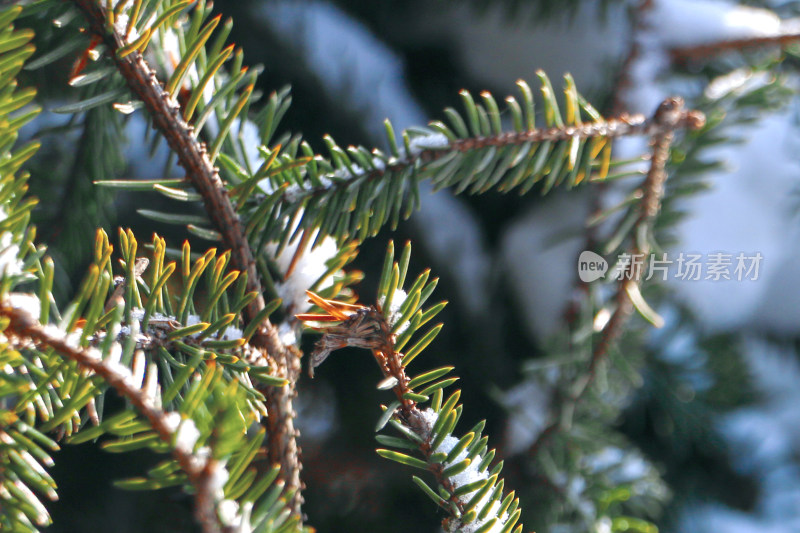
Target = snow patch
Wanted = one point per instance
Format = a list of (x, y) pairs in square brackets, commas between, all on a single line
[(28, 303), (287, 333), (217, 479), (186, 436), (10, 265), (309, 268), (690, 22), (433, 141), (398, 298)]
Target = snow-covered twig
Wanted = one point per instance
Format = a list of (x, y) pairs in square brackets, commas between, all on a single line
[(199, 469)]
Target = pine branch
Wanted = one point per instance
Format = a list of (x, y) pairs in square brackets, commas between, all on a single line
[(670, 114), (192, 155), (669, 117), (467, 489), (355, 192), (623, 126), (199, 470), (702, 52)]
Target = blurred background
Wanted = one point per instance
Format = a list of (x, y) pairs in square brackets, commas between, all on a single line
[(705, 433)]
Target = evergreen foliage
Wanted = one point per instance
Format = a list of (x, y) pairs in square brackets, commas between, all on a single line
[(202, 342)]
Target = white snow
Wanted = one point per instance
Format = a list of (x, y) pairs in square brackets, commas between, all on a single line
[(138, 368), (186, 434), (469, 475), (309, 268), (398, 298), (25, 302), (151, 388), (10, 265), (172, 420), (736, 80), (287, 333), (113, 363), (231, 333), (228, 511), (429, 416), (186, 437), (621, 466), (216, 481), (690, 22), (433, 141), (120, 25)]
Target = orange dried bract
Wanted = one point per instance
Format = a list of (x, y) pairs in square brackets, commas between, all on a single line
[(360, 327)]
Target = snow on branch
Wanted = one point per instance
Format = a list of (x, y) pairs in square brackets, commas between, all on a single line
[(192, 155), (203, 472), (470, 491)]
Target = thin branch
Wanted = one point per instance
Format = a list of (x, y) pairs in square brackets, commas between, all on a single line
[(624, 78), (670, 116), (198, 470), (702, 52), (167, 118), (624, 125)]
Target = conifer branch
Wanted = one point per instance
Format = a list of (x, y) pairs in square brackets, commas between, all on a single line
[(368, 328), (703, 52), (670, 116), (469, 491), (198, 470), (192, 155), (624, 125)]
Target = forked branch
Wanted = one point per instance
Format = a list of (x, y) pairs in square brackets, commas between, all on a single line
[(670, 116), (191, 153)]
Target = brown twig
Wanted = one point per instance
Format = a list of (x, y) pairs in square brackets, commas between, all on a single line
[(191, 153), (702, 52), (624, 78), (199, 471), (670, 116)]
